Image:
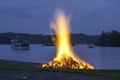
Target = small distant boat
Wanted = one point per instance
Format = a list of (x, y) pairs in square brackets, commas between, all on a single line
[(19, 44), (91, 46)]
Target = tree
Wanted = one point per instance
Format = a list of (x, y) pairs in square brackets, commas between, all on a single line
[(109, 39)]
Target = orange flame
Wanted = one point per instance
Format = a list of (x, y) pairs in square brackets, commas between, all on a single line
[(65, 57)]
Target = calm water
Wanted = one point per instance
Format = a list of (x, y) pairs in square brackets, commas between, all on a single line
[(101, 58)]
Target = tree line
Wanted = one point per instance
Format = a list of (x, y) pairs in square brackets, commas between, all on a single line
[(111, 38), (76, 38)]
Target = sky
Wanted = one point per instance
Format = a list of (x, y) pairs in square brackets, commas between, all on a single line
[(34, 16)]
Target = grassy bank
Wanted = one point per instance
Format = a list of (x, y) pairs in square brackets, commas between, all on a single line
[(15, 67)]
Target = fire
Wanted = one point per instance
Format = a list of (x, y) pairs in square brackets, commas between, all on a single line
[(65, 57)]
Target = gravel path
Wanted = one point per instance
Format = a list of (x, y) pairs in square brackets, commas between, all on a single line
[(13, 75)]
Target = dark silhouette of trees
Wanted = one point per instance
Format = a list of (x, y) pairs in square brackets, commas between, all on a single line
[(109, 39), (76, 38)]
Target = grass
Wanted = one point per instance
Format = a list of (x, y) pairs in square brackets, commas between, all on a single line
[(106, 73)]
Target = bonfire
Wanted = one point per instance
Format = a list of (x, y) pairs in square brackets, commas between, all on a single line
[(65, 57)]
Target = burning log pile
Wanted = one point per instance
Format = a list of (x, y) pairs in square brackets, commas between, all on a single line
[(67, 63), (65, 57)]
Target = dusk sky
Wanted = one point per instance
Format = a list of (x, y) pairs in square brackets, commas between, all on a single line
[(34, 16)]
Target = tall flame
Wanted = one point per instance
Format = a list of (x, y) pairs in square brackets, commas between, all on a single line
[(65, 57)]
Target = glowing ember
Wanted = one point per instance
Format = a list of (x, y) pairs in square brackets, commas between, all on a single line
[(65, 57)]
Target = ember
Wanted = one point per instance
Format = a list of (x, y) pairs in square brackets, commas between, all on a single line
[(65, 57)]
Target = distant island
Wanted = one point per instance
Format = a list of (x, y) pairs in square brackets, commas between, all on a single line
[(76, 38), (111, 38)]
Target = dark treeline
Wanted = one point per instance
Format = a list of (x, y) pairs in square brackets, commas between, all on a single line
[(111, 38), (76, 38)]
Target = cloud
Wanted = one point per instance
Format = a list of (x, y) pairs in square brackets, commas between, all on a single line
[(34, 16)]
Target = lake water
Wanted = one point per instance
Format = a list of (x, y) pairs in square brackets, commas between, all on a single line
[(100, 57)]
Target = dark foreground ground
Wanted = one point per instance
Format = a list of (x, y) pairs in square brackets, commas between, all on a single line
[(21, 75), (14, 70)]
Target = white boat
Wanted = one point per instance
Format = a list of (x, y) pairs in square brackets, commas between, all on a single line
[(17, 44)]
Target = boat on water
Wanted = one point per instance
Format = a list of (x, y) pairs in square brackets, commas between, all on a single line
[(17, 44), (90, 45)]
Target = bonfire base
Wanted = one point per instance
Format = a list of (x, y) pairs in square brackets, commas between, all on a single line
[(67, 63)]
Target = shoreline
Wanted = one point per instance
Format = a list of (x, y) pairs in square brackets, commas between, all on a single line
[(2, 61), (31, 71)]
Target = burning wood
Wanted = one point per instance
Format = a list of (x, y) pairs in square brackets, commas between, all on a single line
[(65, 57), (66, 63)]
